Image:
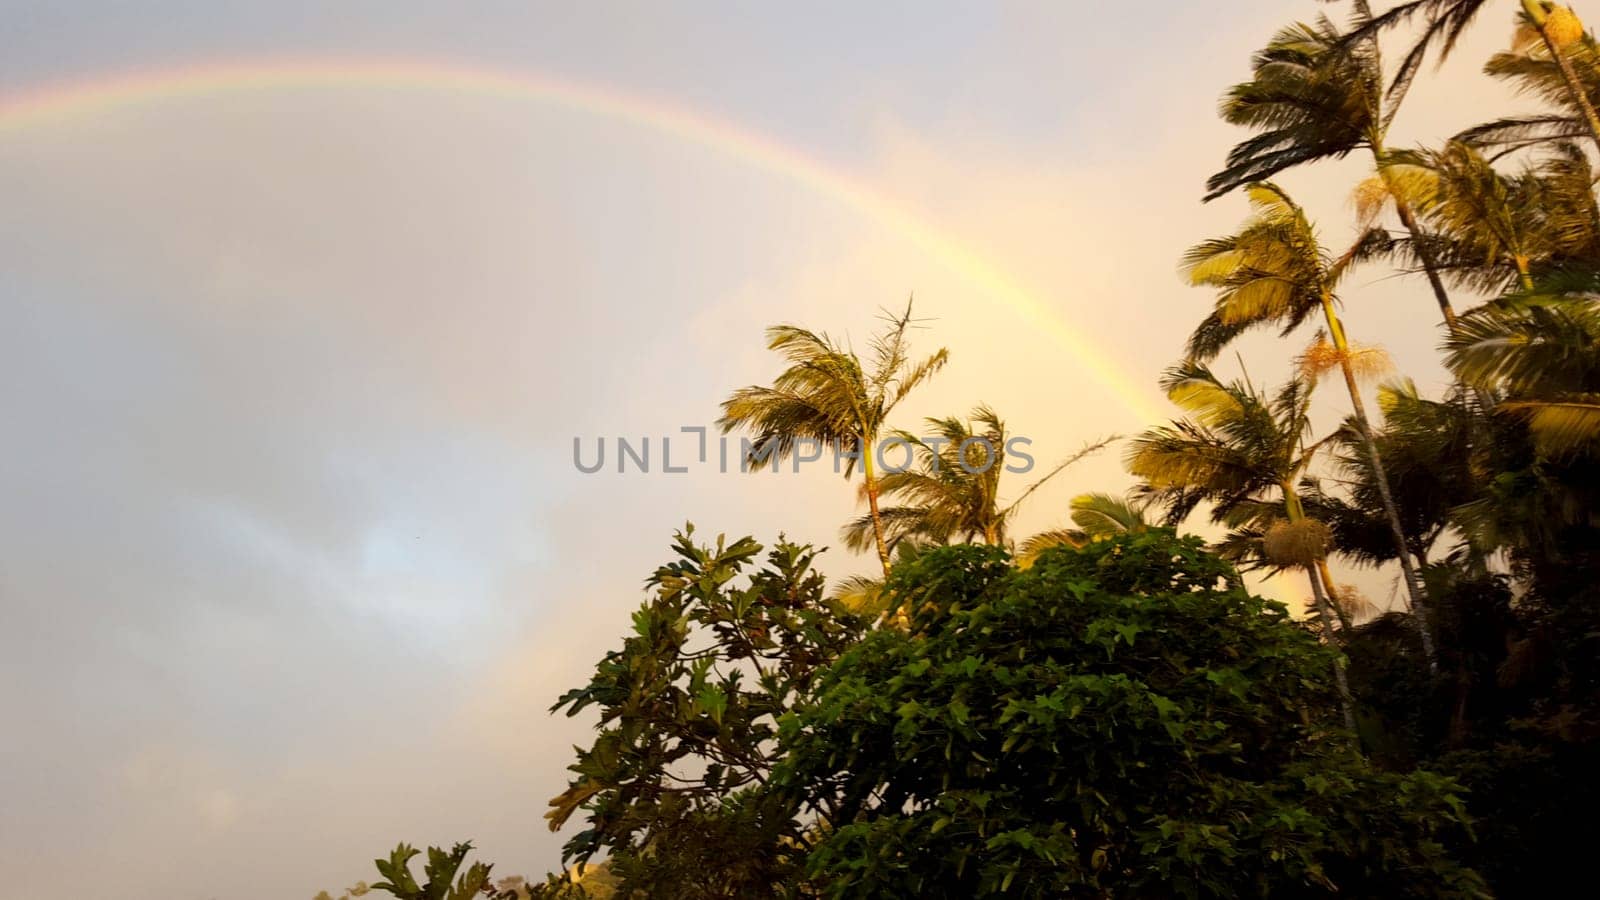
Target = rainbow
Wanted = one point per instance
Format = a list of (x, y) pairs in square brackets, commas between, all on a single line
[(59, 103)]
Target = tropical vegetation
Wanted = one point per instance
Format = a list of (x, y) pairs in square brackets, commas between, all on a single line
[(1106, 709)]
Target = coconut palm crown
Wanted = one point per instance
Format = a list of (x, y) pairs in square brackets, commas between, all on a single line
[(829, 397)]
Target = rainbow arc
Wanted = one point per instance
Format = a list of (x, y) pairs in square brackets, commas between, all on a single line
[(59, 103)]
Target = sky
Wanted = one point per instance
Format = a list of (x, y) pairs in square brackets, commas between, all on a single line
[(293, 554)]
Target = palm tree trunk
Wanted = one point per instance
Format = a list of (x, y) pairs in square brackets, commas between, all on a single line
[(1419, 609), (1440, 295), (1537, 15), (1429, 265), (1575, 88), (870, 479), (1296, 512), (1524, 274), (1333, 592), (1346, 705)]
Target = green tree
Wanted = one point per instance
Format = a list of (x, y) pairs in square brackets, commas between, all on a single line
[(1110, 722), (1493, 232), (593, 881), (1540, 351), (688, 712), (1429, 456), (1529, 68), (828, 398), (1538, 355), (951, 490), (1244, 454), (1274, 271), (441, 871), (1558, 29), (864, 595)]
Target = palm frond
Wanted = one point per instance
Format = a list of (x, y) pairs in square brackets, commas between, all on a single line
[(1560, 426), (1103, 514), (1029, 551)]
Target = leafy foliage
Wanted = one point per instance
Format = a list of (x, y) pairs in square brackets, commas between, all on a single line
[(1111, 721), (1098, 517), (1531, 70), (1311, 97), (1115, 716), (688, 719), (1491, 231), (440, 870), (1540, 350), (1236, 449)]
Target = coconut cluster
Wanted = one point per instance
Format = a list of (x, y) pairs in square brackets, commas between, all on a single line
[(1563, 26), (1300, 543)]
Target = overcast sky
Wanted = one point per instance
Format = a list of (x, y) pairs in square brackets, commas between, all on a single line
[(293, 555)]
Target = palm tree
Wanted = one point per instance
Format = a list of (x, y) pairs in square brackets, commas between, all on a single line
[(864, 595), (1557, 27), (1244, 454), (1274, 272), (1313, 95), (1102, 515), (1493, 232), (1540, 352), (949, 491), (1096, 515), (1529, 67), (1427, 448), (828, 397)]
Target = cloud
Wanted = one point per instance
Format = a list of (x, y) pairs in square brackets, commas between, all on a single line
[(295, 554)]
